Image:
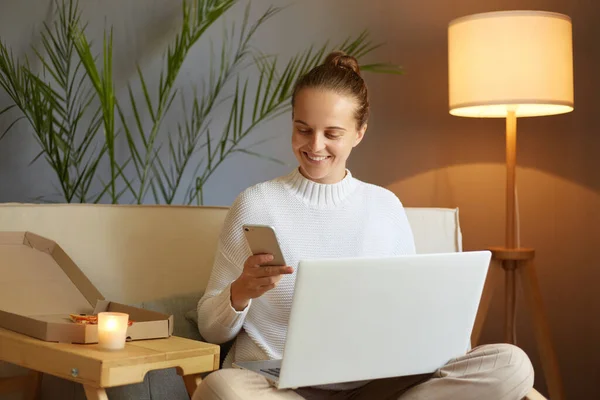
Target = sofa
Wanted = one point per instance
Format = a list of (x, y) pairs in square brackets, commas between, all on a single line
[(160, 258)]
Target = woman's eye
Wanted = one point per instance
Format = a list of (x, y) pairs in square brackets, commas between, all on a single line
[(332, 136), (303, 130)]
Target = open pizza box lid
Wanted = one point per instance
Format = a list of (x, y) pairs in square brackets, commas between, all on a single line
[(40, 286)]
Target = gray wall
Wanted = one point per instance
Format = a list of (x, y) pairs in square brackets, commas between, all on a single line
[(413, 146), (142, 30)]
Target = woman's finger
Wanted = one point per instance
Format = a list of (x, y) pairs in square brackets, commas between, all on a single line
[(257, 260), (268, 280), (272, 271)]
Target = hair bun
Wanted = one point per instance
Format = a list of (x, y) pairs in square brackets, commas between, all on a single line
[(342, 60)]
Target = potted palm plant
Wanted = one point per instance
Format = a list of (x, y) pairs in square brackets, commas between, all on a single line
[(72, 107)]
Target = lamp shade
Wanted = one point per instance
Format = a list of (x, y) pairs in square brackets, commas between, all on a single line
[(510, 60)]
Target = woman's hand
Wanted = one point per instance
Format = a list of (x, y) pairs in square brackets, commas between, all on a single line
[(255, 280)]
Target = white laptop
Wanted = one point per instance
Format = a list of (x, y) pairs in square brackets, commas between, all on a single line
[(369, 318)]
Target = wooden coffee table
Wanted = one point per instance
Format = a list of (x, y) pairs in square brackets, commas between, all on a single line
[(97, 369)]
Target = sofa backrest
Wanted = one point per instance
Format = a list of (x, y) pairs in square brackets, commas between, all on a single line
[(140, 253)]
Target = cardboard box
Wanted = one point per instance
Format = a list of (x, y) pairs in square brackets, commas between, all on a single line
[(40, 286)]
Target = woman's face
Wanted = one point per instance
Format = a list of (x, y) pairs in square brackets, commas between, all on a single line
[(324, 133)]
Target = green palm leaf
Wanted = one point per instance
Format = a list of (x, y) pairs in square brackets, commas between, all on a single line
[(73, 81)]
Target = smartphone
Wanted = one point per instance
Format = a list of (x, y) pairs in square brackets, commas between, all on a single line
[(262, 240)]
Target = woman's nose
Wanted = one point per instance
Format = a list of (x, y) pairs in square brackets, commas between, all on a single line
[(317, 142)]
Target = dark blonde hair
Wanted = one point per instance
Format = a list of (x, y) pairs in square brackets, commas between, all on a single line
[(340, 73)]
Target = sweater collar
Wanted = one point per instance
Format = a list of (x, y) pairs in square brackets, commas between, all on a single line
[(320, 195)]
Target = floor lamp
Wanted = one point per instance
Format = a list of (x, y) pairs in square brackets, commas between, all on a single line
[(511, 64)]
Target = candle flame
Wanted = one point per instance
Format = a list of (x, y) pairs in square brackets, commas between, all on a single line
[(111, 324)]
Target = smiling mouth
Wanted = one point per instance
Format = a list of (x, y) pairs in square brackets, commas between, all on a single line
[(314, 158)]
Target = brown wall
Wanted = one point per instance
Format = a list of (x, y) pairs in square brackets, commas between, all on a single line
[(429, 158)]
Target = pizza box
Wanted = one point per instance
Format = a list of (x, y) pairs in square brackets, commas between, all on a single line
[(40, 286)]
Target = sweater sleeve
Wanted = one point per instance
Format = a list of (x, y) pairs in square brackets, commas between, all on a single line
[(218, 321)]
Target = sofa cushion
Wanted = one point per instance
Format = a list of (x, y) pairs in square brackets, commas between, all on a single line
[(179, 307)]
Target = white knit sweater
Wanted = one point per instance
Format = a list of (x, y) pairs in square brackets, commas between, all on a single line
[(346, 219)]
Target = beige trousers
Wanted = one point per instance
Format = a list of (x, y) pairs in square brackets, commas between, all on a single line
[(488, 372)]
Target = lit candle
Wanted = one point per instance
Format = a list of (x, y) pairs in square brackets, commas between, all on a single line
[(112, 330)]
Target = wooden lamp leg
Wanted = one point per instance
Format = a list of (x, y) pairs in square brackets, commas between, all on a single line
[(510, 300), (533, 297), (494, 276), (524, 268)]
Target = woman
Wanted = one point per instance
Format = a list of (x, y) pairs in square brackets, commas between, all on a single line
[(320, 210)]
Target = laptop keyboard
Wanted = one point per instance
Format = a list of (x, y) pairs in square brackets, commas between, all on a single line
[(272, 371)]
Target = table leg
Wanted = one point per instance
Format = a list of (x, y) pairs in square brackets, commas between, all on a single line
[(13, 384), (95, 393), (191, 383), (33, 387)]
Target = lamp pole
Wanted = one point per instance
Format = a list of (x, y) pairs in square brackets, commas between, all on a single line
[(510, 266)]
